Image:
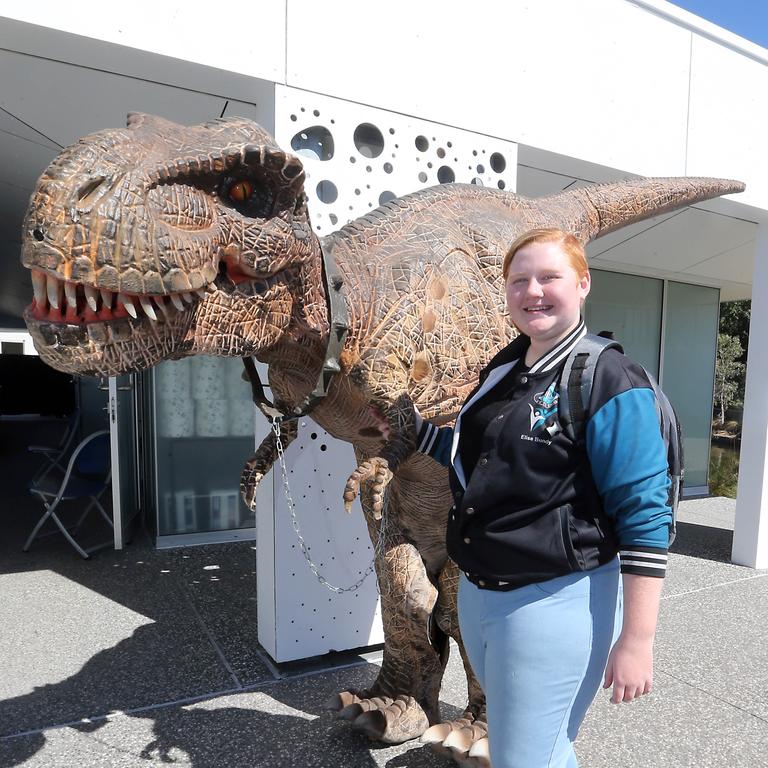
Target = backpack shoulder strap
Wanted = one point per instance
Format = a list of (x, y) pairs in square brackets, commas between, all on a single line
[(672, 434), (576, 383)]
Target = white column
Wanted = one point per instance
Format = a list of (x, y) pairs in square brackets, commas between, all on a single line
[(750, 539)]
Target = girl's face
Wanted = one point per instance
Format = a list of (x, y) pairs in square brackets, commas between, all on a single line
[(544, 292)]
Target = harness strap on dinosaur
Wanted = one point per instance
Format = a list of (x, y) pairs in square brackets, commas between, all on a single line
[(338, 320)]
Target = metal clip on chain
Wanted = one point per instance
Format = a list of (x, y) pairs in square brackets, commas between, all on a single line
[(295, 524)]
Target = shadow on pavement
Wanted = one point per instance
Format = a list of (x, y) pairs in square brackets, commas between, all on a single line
[(703, 541), (170, 657)]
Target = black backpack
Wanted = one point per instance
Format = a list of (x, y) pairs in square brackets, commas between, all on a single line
[(573, 409)]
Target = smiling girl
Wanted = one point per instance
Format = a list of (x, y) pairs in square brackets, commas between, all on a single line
[(542, 525)]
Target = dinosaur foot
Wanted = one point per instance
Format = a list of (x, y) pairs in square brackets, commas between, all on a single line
[(375, 471), (464, 740), (381, 718)]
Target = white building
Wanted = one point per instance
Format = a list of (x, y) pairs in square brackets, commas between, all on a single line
[(382, 100)]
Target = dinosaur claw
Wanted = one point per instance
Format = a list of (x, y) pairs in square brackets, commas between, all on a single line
[(459, 741), (350, 712), (377, 472), (249, 485), (338, 701), (436, 734), (481, 753), (464, 741), (373, 724)]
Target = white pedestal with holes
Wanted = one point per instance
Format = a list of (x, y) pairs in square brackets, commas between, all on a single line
[(298, 616)]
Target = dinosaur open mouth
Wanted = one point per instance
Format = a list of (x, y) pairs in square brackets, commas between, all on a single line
[(67, 302), (71, 303)]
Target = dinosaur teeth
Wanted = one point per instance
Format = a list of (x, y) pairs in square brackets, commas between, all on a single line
[(69, 296), (70, 291), (127, 302), (38, 284), (161, 306), (54, 291), (92, 297), (146, 305)]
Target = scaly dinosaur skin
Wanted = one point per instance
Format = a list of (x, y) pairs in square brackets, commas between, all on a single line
[(206, 229)]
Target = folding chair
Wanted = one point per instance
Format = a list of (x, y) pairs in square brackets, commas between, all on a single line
[(55, 456), (87, 476)]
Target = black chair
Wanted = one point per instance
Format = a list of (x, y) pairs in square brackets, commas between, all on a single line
[(87, 476), (55, 456)]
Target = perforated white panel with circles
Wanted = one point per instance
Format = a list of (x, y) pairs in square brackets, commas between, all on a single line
[(357, 157)]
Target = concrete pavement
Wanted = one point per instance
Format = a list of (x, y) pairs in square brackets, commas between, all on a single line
[(143, 657)]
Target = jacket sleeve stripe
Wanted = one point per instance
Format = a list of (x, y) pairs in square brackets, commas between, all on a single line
[(641, 555), (642, 563), (643, 569), (435, 442), (426, 437)]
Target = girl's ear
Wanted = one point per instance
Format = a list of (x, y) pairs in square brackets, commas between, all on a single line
[(585, 285)]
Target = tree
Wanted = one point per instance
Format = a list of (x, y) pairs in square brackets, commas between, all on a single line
[(734, 320), (728, 372)]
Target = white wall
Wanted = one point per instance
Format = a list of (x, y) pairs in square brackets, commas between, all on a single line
[(638, 86), (18, 337), (750, 536), (535, 73), (237, 36), (728, 117), (603, 80)]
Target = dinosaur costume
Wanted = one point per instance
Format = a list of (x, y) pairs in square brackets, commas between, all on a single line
[(159, 241)]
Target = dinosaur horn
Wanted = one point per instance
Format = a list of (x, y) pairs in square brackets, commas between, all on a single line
[(590, 212)]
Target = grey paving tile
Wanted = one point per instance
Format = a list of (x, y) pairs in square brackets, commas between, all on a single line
[(84, 638), (283, 724), (220, 581), (715, 640), (677, 726), (686, 573), (701, 554), (715, 511)]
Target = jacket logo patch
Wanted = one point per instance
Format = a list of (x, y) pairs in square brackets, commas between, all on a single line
[(544, 412)]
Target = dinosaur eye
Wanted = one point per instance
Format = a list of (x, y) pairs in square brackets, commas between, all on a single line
[(241, 191)]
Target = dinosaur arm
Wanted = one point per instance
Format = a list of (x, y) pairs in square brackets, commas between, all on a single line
[(397, 423), (261, 461)]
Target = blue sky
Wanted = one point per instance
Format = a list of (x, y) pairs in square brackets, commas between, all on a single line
[(747, 18)]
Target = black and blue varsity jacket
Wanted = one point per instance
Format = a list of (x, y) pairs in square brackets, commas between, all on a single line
[(539, 505)]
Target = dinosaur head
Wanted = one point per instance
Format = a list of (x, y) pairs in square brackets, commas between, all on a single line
[(160, 241)]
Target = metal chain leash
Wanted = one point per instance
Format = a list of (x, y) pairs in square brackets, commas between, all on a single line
[(295, 523)]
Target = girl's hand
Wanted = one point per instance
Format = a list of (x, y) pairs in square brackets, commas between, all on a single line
[(630, 669)]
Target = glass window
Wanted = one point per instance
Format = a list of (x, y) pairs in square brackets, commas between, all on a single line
[(204, 428), (690, 342), (630, 306), (12, 347)]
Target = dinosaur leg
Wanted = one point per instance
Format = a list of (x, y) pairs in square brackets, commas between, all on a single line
[(403, 701), (463, 739), (261, 462)]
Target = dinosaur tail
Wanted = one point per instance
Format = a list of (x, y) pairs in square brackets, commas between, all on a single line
[(600, 209)]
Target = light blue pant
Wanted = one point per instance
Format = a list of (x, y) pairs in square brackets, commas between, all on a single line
[(539, 653)]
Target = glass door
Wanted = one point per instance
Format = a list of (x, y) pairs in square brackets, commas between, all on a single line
[(123, 416), (204, 431)]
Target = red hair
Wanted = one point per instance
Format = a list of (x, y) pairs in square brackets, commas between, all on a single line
[(572, 248)]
